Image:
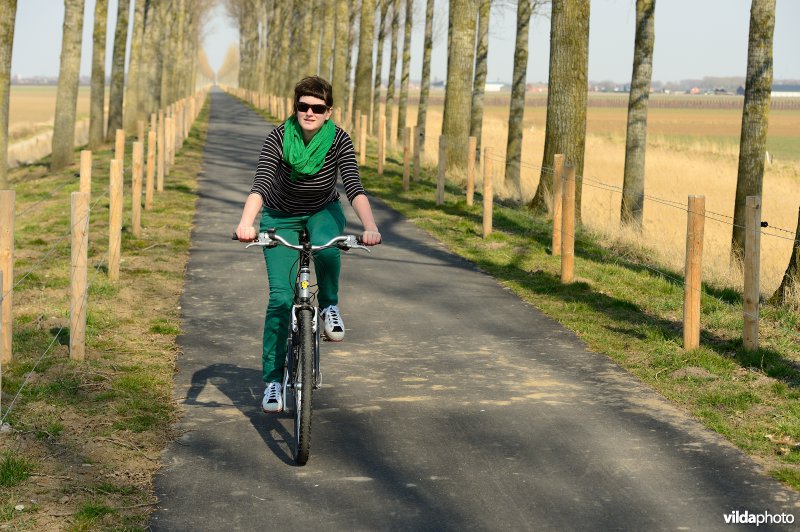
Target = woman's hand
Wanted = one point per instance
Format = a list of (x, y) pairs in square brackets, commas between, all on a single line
[(246, 233), (371, 238)]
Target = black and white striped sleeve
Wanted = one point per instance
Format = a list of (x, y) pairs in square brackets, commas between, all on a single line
[(268, 161), (348, 168)]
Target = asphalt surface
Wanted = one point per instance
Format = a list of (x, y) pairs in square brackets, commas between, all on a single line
[(450, 405)]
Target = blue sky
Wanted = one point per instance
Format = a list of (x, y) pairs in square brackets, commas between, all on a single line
[(694, 38)]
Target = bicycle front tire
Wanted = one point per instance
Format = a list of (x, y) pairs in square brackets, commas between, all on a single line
[(303, 391)]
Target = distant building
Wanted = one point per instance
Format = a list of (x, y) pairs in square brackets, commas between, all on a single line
[(493, 86), (785, 91)]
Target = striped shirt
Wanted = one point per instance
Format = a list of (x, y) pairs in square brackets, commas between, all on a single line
[(309, 193)]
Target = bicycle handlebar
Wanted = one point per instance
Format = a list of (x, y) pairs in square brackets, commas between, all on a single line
[(270, 240)]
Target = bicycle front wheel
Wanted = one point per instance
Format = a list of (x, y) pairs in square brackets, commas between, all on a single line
[(304, 386)]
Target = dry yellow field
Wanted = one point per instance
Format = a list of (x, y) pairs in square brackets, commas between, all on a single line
[(690, 151), (32, 108)]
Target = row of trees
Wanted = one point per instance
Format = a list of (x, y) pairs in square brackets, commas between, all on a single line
[(166, 64)]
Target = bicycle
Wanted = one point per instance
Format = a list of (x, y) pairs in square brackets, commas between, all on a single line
[(302, 353)]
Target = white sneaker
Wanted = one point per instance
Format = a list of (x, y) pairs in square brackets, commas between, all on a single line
[(334, 326), (273, 401)]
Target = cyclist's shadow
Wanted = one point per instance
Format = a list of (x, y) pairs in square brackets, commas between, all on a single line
[(242, 387)]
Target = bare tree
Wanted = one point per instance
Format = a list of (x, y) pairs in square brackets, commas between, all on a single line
[(481, 67), (376, 91), (402, 110), (363, 87), (355, 10), (98, 89), (790, 284), (631, 211), (340, 78), (326, 49), (118, 70), (458, 91), (132, 91), (565, 129), (8, 15), (425, 82), (517, 106), (755, 117), (392, 70), (67, 95)]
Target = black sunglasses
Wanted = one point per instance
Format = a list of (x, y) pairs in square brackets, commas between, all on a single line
[(317, 108)]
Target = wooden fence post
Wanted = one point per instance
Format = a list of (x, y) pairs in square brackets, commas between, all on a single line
[(114, 220), (471, 147), (406, 157), (752, 271), (78, 275), (568, 226), (140, 130), (136, 190), (7, 200), (119, 147), (417, 142), (440, 175), (558, 188), (161, 156), (362, 139), (86, 171), (151, 163), (357, 132), (693, 275), (488, 198), (381, 143), (169, 143)]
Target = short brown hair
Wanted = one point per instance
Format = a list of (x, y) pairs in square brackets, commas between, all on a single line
[(313, 86)]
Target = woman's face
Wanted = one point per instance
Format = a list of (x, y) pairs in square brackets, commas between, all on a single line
[(311, 121)]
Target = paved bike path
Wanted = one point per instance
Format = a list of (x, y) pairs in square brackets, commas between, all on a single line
[(450, 405)]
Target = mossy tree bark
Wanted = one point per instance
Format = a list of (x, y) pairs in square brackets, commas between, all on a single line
[(565, 128), (67, 95), (402, 110), (8, 15), (458, 91), (327, 46), (340, 78), (133, 92), (376, 86), (117, 89), (755, 117), (632, 209), (481, 67), (97, 96), (363, 81), (425, 81), (392, 70), (517, 105)]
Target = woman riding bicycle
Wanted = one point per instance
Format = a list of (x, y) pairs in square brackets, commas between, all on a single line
[(294, 188)]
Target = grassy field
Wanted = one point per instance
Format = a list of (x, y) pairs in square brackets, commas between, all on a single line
[(87, 436)]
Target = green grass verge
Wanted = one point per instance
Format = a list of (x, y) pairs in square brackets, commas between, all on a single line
[(629, 309)]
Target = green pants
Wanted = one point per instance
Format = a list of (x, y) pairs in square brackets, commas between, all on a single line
[(282, 265)]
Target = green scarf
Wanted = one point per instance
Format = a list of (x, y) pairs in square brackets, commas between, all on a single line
[(306, 160)]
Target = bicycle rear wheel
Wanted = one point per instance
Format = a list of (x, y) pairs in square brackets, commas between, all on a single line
[(304, 386)]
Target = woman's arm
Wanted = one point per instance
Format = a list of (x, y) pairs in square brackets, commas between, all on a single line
[(246, 230), (370, 236)]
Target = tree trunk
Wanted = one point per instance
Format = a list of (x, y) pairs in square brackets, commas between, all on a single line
[(315, 37), (402, 108), (8, 15), (135, 69), (458, 92), (118, 70), (340, 85), (97, 121), (631, 212), (283, 65), (392, 71), (351, 39), (363, 82), (481, 67), (376, 91), (67, 95), (565, 129), (425, 82), (755, 117), (326, 50), (790, 285), (517, 106)]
